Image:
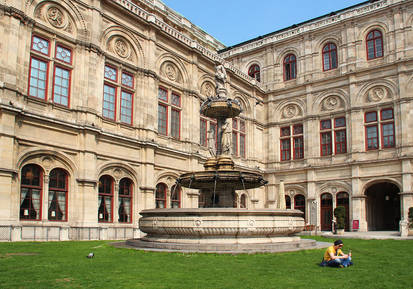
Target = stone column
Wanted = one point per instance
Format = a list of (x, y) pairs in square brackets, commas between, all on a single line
[(281, 196)]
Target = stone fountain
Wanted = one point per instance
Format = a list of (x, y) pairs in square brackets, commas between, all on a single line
[(220, 227)]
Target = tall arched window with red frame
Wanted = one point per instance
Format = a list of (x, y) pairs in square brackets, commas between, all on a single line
[(329, 56), (160, 195), (125, 201), (255, 72), (105, 199), (374, 44), (176, 191), (290, 67), (31, 188), (57, 200)]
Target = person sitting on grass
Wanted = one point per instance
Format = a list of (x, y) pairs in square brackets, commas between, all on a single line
[(334, 257)]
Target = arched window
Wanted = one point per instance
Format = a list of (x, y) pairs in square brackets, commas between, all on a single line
[(160, 196), (290, 67), (57, 203), (299, 203), (374, 43), (176, 196), (287, 202), (243, 202), (31, 188), (125, 201), (329, 56), (105, 201), (254, 72)]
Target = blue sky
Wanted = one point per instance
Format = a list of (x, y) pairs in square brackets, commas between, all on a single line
[(235, 21)]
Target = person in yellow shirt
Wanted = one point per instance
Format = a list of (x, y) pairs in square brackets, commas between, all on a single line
[(334, 256)]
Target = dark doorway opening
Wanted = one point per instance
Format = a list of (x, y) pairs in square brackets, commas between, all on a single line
[(343, 200), (383, 207), (326, 211)]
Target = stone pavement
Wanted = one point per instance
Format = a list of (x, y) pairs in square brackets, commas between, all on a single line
[(381, 235)]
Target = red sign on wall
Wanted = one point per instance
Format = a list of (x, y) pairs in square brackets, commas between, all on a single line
[(355, 224)]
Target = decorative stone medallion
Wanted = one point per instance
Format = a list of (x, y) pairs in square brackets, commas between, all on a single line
[(121, 48), (290, 111), (377, 93), (331, 102), (208, 89), (56, 17), (170, 72)]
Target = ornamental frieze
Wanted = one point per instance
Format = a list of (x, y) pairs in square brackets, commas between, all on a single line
[(331, 102), (377, 93), (291, 110)]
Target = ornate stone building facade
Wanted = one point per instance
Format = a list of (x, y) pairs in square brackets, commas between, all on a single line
[(99, 113)]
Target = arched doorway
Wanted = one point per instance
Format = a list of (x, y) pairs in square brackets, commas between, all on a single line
[(383, 207), (343, 200), (326, 211)]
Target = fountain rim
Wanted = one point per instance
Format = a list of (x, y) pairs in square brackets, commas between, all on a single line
[(221, 211)]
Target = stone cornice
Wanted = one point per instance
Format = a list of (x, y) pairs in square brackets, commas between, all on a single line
[(308, 26), (178, 36)]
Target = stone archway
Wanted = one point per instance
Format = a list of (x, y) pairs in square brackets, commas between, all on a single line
[(383, 207)]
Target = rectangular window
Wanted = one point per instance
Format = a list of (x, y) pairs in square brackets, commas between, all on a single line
[(175, 121), (162, 119), (298, 147), (372, 137), (61, 86), (385, 137), (242, 145), (111, 73), (292, 139), (326, 143), (234, 143), (285, 149), (38, 78), (203, 132), (40, 45), (109, 102), (126, 107), (118, 93), (388, 135), (64, 54)]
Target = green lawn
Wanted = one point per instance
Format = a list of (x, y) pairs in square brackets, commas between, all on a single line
[(378, 264)]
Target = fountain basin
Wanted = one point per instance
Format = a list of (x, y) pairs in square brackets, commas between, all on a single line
[(221, 230), (212, 224), (236, 180), (220, 108)]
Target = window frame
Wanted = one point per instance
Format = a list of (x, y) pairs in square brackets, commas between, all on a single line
[(66, 190), (379, 124), (373, 40), (130, 197), (170, 109), (330, 57), (289, 76), (40, 187), (104, 195), (332, 132), (165, 189), (239, 134), (291, 138), (179, 194), (120, 89), (254, 72)]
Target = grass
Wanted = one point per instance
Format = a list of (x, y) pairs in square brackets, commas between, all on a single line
[(378, 264)]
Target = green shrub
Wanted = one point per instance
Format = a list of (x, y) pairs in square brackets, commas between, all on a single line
[(411, 217), (339, 213)]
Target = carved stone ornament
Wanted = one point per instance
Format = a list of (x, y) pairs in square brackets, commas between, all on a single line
[(208, 89), (56, 17), (331, 102), (121, 48), (377, 93), (170, 71), (290, 111)]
